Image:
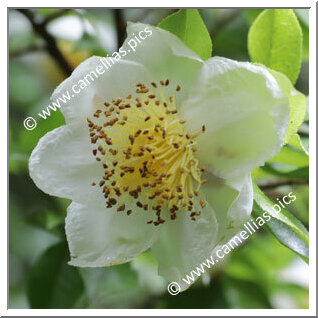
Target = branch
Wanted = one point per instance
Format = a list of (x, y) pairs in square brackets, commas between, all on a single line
[(120, 26), (273, 185), (51, 46)]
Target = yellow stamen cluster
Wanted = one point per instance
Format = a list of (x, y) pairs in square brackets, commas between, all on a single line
[(148, 158)]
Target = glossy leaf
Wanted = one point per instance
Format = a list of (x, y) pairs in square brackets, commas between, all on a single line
[(297, 102), (285, 226), (52, 282), (188, 25), (275, 40), (299, 173), (296, 142)]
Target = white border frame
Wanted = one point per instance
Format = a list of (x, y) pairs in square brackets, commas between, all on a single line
[(163, 312)]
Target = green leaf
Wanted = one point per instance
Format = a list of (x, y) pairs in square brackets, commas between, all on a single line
[(291, 156), (297, 104), (299, 173), (275, 40), (189, 27), (285, 226), (296, 142), (303, 16), (52, 283)]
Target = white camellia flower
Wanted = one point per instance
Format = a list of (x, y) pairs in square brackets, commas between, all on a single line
[(157, 153)]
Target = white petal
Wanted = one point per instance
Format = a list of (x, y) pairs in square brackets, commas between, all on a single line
[(232, 200), (183, 244), (245, 113), (117, 81), (99, 236), (62, 164), (165, 56)]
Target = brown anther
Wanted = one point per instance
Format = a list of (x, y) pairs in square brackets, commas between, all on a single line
[(178, 88), (121, 208), (152, 96), (98, 159), (203, 128), (129, 96), (147, 118), (94, 152), (115, 163), (157, 102), (194, 149), (106, 104), (154, 84), (93, 183), (182, 121), (202, 203), (128, 212), (139, 204), (138, 132), (94, 139), (112, 201), (101, 183), (167, 82), (179, 188), (132, 139)]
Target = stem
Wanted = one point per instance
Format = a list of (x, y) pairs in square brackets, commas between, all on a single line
[(276, 184), (51, 46), (120, 27)]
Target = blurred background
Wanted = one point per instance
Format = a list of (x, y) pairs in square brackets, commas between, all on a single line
[(45, 45)]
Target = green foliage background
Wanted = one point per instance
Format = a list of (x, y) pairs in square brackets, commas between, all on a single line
[(262, 273)]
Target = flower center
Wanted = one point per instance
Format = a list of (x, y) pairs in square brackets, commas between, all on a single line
[(148, 158)]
